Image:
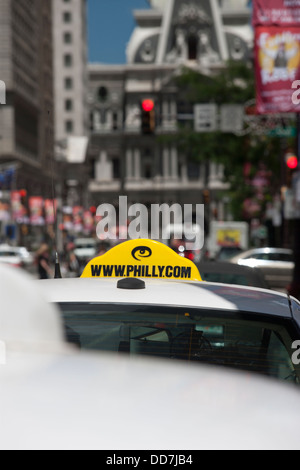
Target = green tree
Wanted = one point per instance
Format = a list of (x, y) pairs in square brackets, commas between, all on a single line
[(242, 155)]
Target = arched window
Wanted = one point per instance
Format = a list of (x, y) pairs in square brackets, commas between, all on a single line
[(102, 93), (192, 47)]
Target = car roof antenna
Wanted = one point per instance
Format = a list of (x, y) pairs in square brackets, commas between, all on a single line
[(57, 271)]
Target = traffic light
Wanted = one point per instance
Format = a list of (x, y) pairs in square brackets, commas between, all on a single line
[(147, 116), (23, 197), (291, 161)]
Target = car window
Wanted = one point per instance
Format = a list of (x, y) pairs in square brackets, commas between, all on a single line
[(7, 253), (228, 252), (229, 339), (281, 257), (271, 256), (255, 256), (227, 278), (86, 245)]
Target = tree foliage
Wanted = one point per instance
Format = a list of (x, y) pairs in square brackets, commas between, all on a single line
[(233, 84)]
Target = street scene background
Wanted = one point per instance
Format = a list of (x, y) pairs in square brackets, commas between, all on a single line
[(182, 102)]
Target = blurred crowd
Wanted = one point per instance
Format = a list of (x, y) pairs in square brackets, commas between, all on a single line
[(71, 265)]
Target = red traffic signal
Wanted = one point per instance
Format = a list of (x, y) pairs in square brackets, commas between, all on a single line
[(147, 105), (147, 116), (291, 161)]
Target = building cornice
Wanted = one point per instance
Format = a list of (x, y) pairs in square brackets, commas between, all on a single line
[(146, 18)]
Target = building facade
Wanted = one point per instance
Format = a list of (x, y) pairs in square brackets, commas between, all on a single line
[(70, 92), (149, 168), (26, 118), (70, 68)]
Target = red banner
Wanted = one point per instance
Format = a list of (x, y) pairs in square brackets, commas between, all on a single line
[(50, 207), (277, 66), (277, 55), (18, 209), (4, 211), (36, 205), (88, 221), (276, 13), (78, 218)]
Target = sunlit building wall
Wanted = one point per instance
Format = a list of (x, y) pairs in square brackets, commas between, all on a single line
[(70, 92), (70, 67), (26, 119)]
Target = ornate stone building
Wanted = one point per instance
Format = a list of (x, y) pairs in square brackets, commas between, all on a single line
[(198, 34)]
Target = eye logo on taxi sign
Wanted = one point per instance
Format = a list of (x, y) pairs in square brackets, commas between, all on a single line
[(142, 258), (142, 252)]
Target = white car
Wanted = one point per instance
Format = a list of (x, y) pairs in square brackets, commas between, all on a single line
[(85, 248), (58, 398), (276, 264), (11, 255), (25, 255), (141, 298)]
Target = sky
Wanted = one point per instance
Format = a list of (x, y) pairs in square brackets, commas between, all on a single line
[(110, 24)]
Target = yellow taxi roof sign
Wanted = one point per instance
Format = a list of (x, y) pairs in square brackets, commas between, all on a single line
[(142, 258)]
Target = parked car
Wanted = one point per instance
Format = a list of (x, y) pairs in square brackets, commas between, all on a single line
[(276, 264), (229, 273), (227, 252), (11, 255), (25, 255), (85, 248)]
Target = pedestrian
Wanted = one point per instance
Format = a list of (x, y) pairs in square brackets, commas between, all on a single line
[(42, 261), (73, 265), (102, 249)]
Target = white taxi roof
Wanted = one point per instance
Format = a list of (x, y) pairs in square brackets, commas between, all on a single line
[(81, 401), (66, 399), (198, 294), (27, 320), (165, 279)]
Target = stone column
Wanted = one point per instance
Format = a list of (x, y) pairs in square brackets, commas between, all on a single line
[(184, 172), (109, 121), (137, 164), (220, 172), (174, 163), (96, 120), (129, 164), (166, 160), (173, 111), (103, 167), (165, 114), (212, 172)]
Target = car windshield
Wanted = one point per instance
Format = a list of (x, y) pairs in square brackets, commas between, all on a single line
[(7, 253), (218, 338), (84, 245), (228, 252), (228, 278)]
